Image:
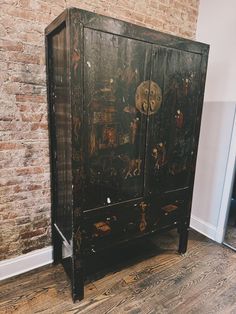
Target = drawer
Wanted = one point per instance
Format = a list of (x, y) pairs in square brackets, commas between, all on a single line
[(116, 223), (167, 209)]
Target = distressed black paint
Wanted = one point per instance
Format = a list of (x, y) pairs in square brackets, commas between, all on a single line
[(114, 67), (125, 107)]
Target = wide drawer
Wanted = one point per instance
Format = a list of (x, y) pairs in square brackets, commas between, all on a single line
[(114, 224), (117, 220)]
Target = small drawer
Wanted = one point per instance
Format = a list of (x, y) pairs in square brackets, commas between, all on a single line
[(166, 210), (116, 223)]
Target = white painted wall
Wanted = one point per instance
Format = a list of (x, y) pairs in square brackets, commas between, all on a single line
[(216, 26)]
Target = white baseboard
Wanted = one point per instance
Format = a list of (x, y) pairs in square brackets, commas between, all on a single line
[(220, 233), (23, 263), (203, 227)]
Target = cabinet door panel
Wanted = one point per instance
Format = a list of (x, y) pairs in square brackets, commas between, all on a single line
[(171, 129), (114, 67)]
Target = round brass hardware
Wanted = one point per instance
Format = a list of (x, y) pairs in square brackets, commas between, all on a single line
[(148, 105)]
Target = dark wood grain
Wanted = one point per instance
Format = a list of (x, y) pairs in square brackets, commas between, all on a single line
[(201, 281)]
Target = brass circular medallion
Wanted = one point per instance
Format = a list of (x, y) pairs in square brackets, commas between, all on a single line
[(148, 104)]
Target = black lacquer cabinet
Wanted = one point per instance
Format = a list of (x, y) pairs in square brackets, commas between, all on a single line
[(125, 107)]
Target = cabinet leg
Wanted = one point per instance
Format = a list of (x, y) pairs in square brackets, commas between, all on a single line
[(78, 283), (57, 246), (183, 240)]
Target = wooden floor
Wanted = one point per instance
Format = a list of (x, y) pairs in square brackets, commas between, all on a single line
[(201, 281)]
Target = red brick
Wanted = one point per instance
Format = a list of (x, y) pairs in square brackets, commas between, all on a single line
[(10, 45), (33, 233), (9, 215), (24, 58), (163, 7), (8, 146), (32, 117), (32, 98), (29, 170), (37, 126)]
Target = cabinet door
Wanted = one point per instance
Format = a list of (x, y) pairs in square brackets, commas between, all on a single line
[(115, 133), (171, 128)]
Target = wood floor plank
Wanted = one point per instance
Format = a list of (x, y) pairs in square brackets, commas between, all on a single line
[(162, 281), (141, 291)]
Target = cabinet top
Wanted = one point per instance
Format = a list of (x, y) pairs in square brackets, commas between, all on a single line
[(74, 17)]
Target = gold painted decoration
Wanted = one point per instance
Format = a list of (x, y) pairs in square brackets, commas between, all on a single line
[(134, 168), (148, 103), (101, 228), (169, 208), (78, 239), (159, 155), (179, 119), (109, 136), (143, 222)]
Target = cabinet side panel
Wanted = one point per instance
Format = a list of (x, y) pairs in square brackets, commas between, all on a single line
[(76, 60), (60, 131)]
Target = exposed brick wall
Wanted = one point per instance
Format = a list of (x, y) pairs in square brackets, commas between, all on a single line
[(24, 156)]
